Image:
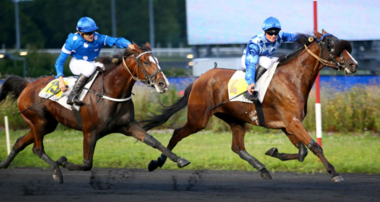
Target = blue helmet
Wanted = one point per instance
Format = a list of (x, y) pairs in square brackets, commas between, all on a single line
[(271, 23), (86, 24)]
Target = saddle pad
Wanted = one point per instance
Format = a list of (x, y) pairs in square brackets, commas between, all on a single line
[(61, 97), (237, 85)]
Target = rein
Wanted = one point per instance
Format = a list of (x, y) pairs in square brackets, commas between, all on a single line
[(323, 61), (333, 63), (149, 79)]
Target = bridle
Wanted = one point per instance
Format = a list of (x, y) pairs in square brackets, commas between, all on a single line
[(332, 62), (149, 79)]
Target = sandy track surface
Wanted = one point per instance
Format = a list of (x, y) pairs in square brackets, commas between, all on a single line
[(106, 185)]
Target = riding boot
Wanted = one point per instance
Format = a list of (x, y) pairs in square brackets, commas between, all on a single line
[(73, 96), (260, 71)]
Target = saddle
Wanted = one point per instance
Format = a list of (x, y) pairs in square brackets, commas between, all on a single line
[(52, 92)]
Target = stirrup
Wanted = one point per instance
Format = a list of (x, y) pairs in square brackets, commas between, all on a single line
[(77, 101), (253, 97), (70, 100)]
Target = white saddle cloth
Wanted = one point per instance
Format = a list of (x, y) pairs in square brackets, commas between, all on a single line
[(237, 84), (61, 97)]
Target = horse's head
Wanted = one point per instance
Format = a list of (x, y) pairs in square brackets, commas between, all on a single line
[(336, 51), (148, 69)]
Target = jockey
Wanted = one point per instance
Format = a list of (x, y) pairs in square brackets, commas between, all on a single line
[(259, 48), (84, 47)]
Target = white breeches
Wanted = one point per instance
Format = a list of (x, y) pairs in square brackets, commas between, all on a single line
[(86, 68), (264, 61)]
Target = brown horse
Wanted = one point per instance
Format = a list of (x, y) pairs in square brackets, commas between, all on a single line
[(100, 116), (284, 105)]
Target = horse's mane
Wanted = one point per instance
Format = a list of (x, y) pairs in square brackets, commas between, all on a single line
[(110, 61), (302, 39)]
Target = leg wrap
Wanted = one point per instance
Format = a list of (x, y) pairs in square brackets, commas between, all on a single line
[(314, 147), (149, 140), (8, 160), (251, 160), (302, 152)]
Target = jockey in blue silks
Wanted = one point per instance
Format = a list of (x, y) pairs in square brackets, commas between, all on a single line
[(258, 50), (84, 47)]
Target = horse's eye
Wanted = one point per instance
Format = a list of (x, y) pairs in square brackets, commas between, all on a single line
[(146, 62)]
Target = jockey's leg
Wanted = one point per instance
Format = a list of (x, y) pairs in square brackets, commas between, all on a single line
[(74, 94), (84, 70)]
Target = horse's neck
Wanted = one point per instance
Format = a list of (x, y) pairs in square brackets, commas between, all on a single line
[(306, 69), (118, 83)]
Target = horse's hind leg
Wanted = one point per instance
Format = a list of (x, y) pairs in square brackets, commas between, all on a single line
[(302, 151), (20, 145), (296, 128), (197, 120), (40, 126), (139, 133), (238, 133)]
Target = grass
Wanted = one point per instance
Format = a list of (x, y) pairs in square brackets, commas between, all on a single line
[(349, 153)]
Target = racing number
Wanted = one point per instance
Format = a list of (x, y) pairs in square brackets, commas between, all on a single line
[(53, 88), (233, 88)]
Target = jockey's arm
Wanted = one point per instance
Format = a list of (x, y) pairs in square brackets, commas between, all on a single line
[(251, 59), (289, 37), (120, 42), (65, 52), (59, 67)]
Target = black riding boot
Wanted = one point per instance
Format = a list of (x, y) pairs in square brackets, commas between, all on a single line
[(260, 71), (73, 96)]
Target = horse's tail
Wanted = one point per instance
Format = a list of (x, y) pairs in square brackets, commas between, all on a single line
[(167, 111), (14, 85)]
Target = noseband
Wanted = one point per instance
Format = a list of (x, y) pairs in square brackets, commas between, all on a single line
[(332, 62), (149, 79)]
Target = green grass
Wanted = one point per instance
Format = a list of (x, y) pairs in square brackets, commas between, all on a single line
[(349, 153)]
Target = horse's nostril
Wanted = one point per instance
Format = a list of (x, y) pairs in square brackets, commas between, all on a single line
[(161, 84)]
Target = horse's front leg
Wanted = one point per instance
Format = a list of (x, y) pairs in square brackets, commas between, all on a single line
[(238, 134), (296, 128), (89, 142), (302, 151), (135, 130)]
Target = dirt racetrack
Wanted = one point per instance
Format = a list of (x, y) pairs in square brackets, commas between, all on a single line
[(110, 185)]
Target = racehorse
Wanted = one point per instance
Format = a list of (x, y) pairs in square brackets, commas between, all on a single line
[(100, 116), (284, 105)]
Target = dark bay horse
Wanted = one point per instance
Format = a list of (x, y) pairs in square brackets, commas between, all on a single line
[(284, 105), (100, 116)]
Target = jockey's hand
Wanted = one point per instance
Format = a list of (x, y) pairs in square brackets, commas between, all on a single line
[(62, 85), (131, 46), (251, 88)]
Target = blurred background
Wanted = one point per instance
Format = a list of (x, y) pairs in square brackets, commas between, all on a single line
[(188, 36)]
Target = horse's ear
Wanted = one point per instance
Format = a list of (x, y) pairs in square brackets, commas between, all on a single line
[(319, 35), (137, 48), (323, 31), (147, 44)]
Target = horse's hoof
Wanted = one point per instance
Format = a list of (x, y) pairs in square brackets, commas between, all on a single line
[(271, 152), (337, 179), (181, 162), (153, 165), (61, 161), (265, 174), (302, 152), (57, 176)]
